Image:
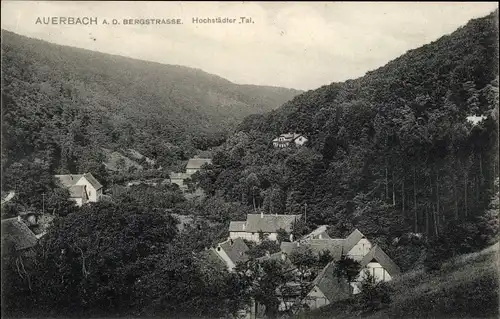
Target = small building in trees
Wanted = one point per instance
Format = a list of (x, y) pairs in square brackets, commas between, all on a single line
[(379, 265), (178, 179), (195, 164), (326, 288), (262, 225), (356, 246), (17, 237), (285, 140), (83, 188), (231, 252)]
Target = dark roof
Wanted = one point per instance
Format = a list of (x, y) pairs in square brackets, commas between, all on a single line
[(18, 233), (378, 255), (92, 181), (197, 163), (68, 180), (77, 191), (235, 249), (332, 286), (352, 240), (211, 257), (270, 223), (237, 226), (334, 246)]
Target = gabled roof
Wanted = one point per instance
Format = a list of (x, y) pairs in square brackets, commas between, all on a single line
[(92, 181), (332, 286), (235, 249), (197, 163), (18, 233), (68, 180), (270, 223), (352, 240), (210, 256), (378, 255), (237, 226), (334, 246), (318, 233), (77, 191)]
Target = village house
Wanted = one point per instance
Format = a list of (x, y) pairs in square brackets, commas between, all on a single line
[(83, 188), (18, 237), (195, 164), (267, 224), (285, 140), (355, 246), (231, 252), (378, 264), (326, 288), (178, 179)]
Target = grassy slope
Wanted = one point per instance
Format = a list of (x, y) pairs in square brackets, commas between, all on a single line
[(466, 287)]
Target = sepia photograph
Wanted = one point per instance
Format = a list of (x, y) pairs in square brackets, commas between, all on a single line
[(249, 160)]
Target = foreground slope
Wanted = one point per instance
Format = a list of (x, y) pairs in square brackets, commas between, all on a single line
[(466, 287)]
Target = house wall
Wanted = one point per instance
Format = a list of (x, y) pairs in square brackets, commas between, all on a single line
[(377, 271), (300, 141), (179, 182), (253, 236), (316, 299), (360, 250), (230, 265), (92, 193), (79, 201)]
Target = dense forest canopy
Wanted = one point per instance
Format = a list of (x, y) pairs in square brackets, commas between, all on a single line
[(64, 102)]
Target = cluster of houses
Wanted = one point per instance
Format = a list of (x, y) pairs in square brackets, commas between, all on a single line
[(327, 287), (22, 233)]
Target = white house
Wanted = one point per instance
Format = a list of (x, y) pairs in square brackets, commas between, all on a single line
[(284, 140), (231, 252), (195, 164), (83, 188), (267, 224), (379, 265), (356, 246)]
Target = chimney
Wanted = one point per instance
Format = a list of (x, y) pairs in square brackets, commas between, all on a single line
[(320, 236), (291, 238), (261, 214)]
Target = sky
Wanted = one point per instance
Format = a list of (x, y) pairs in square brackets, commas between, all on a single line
[(297, 45)]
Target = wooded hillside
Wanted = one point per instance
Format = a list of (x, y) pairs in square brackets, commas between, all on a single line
[(65, 101), (389, 153)]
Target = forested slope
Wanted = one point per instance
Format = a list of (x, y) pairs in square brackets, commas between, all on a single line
[(65, 101), (389, 153)]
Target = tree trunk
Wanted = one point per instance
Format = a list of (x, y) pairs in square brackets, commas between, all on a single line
[(386, 183), (403, 196), (427, 219), (415, 213), (437, 214), (481, 176), (455, 194), (393, 190), (465, 191)]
